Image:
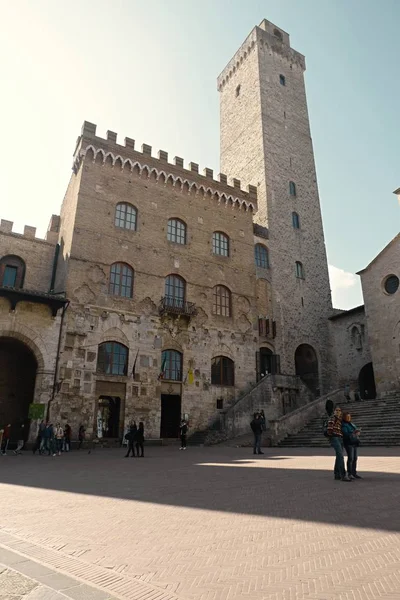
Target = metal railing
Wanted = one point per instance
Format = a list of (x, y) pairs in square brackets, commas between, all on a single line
[(177, 306)]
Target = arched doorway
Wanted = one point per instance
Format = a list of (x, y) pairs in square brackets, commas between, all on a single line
[(366, 382), (18, 368), (306, 363)]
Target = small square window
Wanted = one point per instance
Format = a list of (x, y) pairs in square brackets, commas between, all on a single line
[(220, 403), (282, 80)]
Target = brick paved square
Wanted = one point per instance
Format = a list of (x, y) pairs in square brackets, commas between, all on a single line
[(210, 523)]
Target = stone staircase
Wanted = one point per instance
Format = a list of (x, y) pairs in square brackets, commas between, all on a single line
[(378, 419)]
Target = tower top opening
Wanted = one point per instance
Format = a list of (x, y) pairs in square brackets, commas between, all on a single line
[(275, 31)]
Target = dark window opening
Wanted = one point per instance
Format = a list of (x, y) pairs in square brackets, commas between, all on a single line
[(12, 271), (171, 365), (220, 243), (176, 231), (391, 284), (220, 403), (175, 291), (125, 216), (299, 270), (221, 301), (121, 280), (112, 359), (296, 220), (261, 256), (292, 188), (222, 371), (282, 79)]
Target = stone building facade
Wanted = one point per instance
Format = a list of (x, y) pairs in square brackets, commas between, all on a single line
[(265, 140), (353, 355), (159, 291), (380, 286)]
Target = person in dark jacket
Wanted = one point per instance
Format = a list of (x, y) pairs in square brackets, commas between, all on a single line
[(350, 442), (130, 436), (183, 432), (19, 434), (329, 407), (81, 436), (139, 439), (6, 439), (67, 437), (257, 425)]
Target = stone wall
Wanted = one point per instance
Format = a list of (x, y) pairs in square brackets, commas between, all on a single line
[(349, 329), (265, 140), (382, 310)]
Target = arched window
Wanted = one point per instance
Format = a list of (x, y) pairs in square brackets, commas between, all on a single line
[(175, 290), (222, 301), (171, 365), (299, 270), (292, 188), (222, 371), (296, 220), (261, 256), (12, 271), (112, 358), (126, 216), (121, 280), (176, 231), (220, 243)]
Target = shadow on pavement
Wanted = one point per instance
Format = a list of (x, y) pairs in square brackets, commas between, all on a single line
[(223, 479)]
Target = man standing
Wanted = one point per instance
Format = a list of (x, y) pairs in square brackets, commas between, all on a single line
[(6, 439), (257, 429), (39, 437), (335, 436)]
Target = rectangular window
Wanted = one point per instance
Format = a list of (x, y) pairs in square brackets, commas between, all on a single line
[(10, 276)]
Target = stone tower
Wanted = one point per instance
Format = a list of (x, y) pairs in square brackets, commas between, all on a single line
[(265, 141)]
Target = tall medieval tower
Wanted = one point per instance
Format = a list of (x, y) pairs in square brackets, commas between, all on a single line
[(265, 141)]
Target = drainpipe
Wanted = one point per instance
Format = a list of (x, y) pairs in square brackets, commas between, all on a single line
[(54, 270), (57, 361)]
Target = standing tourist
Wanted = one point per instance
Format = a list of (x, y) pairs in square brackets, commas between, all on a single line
[(39, 437), (67, 438), (81, 436), (139, 440), (59, 435), (46, 436), (183, 432), (335, 436), (20, 436), (6, 439), (257, 429), (130, 436), (351, 443)]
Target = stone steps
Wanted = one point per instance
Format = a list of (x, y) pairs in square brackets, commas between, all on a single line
[(379, 421)]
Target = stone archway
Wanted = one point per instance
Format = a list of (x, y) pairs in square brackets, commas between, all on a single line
[(366, 382), (306, 362), (18, 369)]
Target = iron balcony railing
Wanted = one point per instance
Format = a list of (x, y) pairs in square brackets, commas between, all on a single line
[(177, 306)]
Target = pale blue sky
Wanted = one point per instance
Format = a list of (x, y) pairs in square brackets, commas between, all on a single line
[(148, 70)]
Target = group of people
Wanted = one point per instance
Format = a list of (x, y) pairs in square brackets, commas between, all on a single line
[(135, 439), (50, 439), (258, 426), (342, 434)]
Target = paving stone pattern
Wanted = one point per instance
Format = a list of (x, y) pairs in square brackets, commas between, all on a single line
[(208, 524)]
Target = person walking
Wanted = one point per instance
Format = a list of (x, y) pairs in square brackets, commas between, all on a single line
[(335, 435), (130, 436), (351, 443), (139, 440), (81, 436), (46, 436), (59, 435), (20, 435), (39, 437), (183, 429), (257, 429), (6, 439), (67, 437)]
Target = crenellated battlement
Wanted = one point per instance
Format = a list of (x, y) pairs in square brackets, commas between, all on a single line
[(108, 151), (265, 36), (30, 232)]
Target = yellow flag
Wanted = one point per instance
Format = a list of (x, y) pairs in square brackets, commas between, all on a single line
[(190, 376)]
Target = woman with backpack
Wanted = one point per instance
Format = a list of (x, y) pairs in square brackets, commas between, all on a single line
[(335, 435), (351, 443)]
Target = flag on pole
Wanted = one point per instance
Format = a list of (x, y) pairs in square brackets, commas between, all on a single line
[(164, 362), (134, 364)]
